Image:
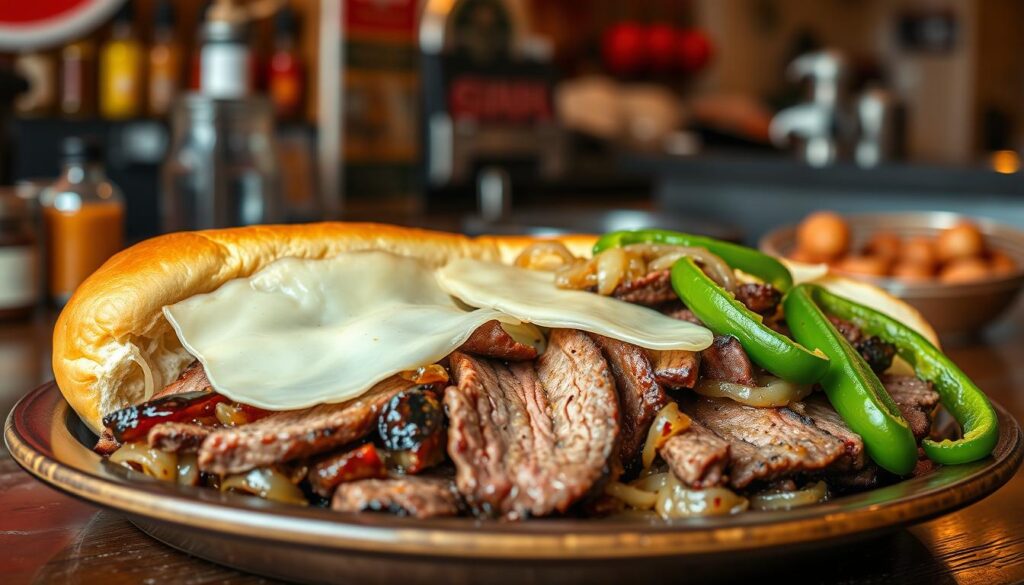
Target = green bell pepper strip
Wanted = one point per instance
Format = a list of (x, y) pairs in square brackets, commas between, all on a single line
[(724, 315), (852, 388), (743, 258), (960, 396)]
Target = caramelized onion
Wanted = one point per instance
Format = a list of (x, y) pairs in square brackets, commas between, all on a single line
[(652, 482), (431, 374), (188, 469), (231, 415), (548, 255), (782, 500), (676, 501), (631, 496), (578, 275), (267, 483), (611, 269), (668, 423), (770, 391), (153, 462)]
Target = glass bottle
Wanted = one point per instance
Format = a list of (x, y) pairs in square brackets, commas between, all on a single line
[(164, 61), (39, 69), (286, 74), (83, 219), (121, 61), (78, 79)]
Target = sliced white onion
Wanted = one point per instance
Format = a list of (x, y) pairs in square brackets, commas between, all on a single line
[(668, 423), (548, 255), (652, 482), (663, 257), (633, 497), (770, 391), (782, 500), (153, 462), (676, 501), (611, 268), (188, 469), (267, 483)]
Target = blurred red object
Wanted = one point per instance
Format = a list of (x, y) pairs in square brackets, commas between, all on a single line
[(694, 50), (661, 47), (624, 48)]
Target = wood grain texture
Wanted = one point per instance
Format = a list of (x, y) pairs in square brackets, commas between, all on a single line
[(47, 537)]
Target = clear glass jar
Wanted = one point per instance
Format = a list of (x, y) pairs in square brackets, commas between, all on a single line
[(83, 218), (222, 168)]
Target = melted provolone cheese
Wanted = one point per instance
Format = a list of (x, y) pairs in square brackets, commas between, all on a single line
[(304, 332), (532, 297)]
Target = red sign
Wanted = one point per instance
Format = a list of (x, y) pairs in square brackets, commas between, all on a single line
[(33, 24), (381, 17), (496, 99)]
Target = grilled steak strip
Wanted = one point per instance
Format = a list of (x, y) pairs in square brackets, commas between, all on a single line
[(818, 409), (192, 379), (650, 290), (916, 400), (675, 368), (292, 434), (767, 443), (725, 360), (420, 497), (640, 395), (762, 299), (677, 310), (698, 457), (490, 340), (176, 437), (526, 441)]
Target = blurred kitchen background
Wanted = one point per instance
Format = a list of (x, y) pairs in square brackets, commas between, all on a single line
[(727, 117)]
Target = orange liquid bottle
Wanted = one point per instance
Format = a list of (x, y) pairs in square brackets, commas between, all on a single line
[(83, 217)]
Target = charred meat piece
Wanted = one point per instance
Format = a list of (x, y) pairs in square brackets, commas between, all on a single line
[(762, 299), (419, 497), (818, 409), (877, 352), (532, 439), (288, 435), (175, 437), (766, 444), (640, 395), (411, 427), (650, 290), (106, 444), (725, 360), (698, 457), (916, 400), (675, 368), (362, 462), (193, 379), (133, 423), (490, 340)]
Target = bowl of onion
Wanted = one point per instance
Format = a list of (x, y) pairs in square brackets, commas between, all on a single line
[(961, 272)]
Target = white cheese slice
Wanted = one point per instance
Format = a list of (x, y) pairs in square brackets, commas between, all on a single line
[(532, 297), (304, 332)]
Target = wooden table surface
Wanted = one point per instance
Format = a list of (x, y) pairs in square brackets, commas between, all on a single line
[(48, 537)]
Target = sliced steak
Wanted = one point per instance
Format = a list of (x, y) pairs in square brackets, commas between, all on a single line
[(725, 360), (675, 368), (176, 437), (193, 379), (916, 400), (640, 394), (490, 340), (531, 439), (420, 497), (650, 290), (698, 457), (292, 434), (762, 299), (820, 411), (678, 310), (766, 444), (877, 352)]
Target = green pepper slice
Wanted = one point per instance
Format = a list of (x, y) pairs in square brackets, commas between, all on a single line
[(743, 258), (724, 315), (960, 396), (852, 388)]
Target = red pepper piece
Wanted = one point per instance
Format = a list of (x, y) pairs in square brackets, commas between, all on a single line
[(132, 423)]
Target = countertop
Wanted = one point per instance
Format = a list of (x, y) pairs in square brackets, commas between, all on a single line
[(48, 537)]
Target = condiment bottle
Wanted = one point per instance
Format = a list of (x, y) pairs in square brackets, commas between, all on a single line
[(286, 74), (78, 79), (121, 70), (225, 69), (165, 63), (18, 253), (39, 69), (83, 217)]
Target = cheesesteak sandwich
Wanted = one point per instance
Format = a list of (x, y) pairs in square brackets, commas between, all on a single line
[(369, 367)]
